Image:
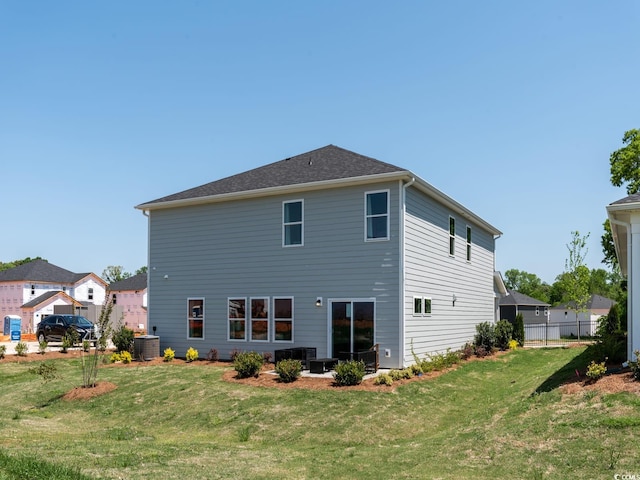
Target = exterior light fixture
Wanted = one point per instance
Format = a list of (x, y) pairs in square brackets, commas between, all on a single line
[(319, 302)]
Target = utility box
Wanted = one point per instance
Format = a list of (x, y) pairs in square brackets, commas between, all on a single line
[(146, 347), (13, 326)]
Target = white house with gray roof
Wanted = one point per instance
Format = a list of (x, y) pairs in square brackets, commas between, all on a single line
[(328, 249)]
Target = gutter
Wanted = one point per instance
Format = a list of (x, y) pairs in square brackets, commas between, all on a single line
[(403, 211)]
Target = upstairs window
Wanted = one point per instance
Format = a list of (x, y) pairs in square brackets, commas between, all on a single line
[(377, 215), (91, 294), (292, 223), (468, 244), (452, 236)]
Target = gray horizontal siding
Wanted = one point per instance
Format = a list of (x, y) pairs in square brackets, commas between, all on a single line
[(234, 249), (430, 271)]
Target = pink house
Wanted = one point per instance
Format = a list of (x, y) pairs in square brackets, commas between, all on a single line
[(38, 288), (130, 301)]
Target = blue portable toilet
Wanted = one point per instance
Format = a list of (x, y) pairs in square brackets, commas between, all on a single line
[(13, 327)]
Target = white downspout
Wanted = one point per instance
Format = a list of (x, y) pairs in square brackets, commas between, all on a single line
[(627, 226), (403, 211)]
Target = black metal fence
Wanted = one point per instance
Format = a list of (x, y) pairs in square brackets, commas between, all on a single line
[(540, 334)]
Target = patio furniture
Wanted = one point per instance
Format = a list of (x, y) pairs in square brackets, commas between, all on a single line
[(322, 365), (304, 354), (369, 357)]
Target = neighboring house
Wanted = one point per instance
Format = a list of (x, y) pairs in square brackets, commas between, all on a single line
[(38, 288), (130, 300), (624, 217), (328, 249), (597, 306), (533, 311)]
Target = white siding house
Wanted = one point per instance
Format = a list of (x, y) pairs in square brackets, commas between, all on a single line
[(328, 249)]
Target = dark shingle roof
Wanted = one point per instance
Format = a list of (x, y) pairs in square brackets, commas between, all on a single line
[(136, 282), (633, 198), (40, 271), (596, 302), (517, 298), (324, 164), (46, 296)]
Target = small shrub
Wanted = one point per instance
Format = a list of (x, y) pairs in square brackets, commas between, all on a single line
[(212, 356), (485, 336), (267, 356), (518, 329), (42, 347), (404, 374), (635, 366), (86, 345), (67, 343), (125, 357), (22, 348), (47, 370), (596, 370), (383, 379), (416, 369), (191, 355), (466, 352), (168, 355), (503, 334), (451, 357), (115, 357), (513, 344), (349, 373), (482, 352), (233, 354), (3, 351), (289, 369), (73, 335), (248, 364), (122, 339)]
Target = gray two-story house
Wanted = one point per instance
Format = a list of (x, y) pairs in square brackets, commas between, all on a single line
[(328, 249)]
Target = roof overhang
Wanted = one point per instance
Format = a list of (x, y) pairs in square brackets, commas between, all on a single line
[(404, 175), (620, 218)]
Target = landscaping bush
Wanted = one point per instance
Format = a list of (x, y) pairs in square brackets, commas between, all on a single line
[(518, 329), (610, 323), (3, 351), (125, 357), (482, 352), (612, 347), (115, 357), (67, 343), (191, 355), (416, 369), (485, 337), (22, 348), (400, 374), (86, 345), (635, 366), (168, 355), (248, 364), (349, 373), (503, 333), (47, 370), (42, 347), (289, 369), (596, 370), (212, 356), (122, 339), (383, 379), (466, 352), (513, 344)]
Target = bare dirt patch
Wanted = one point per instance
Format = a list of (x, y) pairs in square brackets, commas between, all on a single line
[(85, 393)]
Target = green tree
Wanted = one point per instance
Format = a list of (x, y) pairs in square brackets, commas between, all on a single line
[(17, 263), (625, 162), (527, 284), (114, 273), (144, 269), (608, 247), (577, 275)]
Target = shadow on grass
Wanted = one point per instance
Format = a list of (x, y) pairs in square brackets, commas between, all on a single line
[(567, 372)]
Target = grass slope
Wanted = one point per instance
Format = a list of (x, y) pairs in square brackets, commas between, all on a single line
[(501, 418)]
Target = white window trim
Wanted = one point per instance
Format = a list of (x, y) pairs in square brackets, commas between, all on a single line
[(203, 318), (388, 215), (423, 306), (451, 236), (229, 319), (273, 316), (468, 242), (301, 223), (267, 302), (537, 311)]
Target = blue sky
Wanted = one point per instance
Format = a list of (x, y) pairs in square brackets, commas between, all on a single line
[(511, 108)]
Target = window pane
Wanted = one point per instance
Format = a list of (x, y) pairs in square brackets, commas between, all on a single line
[(377, 227), (195, 315), (282, 307), (293, 234), (237, 308), (284, 330), (196, 329), (468, 234), (292, 212), (427, 305), (452, 226), (452, 245), (377, 203), (259, 308), (236, 329), (417, 305), (259, 330)]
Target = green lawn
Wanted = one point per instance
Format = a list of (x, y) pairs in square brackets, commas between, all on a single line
[(502, 418)]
